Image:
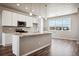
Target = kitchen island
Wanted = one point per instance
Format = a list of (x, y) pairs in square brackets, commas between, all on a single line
[(27, 43)]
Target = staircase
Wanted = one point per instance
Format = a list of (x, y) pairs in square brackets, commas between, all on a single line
[(6, 51)]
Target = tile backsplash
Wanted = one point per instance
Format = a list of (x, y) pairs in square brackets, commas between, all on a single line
[(11, 29)]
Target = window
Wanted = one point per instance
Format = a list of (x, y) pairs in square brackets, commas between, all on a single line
[(60, 23)]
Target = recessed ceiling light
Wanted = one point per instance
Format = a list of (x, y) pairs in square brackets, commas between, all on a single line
[(39, 16), (18, 4), (30, 14), (26, 8)]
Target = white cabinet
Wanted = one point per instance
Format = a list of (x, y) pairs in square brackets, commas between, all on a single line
[(28, 21), (11, 19), (6, 39), (17, 17), (14, 19), (15, 44), (21, 17), (35, 20), (6, 18)]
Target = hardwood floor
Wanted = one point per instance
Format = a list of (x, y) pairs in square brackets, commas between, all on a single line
[(58, 47), (63, 47), (42, 52), (6, 51)]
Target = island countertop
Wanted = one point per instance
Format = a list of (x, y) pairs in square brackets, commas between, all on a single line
[(30, 34)]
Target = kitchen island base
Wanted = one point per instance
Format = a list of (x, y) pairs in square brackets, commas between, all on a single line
[(25, 45)]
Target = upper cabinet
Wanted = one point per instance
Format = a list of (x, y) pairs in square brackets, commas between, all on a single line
[(21, 17), (35, 20), (14, 19), (28, 21), (11, 19), (6, 18)]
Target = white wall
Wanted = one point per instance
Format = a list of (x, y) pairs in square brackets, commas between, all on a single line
[(60, 9), (54, 10), (73, 33), (40, 24)]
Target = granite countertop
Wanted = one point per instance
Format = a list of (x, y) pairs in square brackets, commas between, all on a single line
[(31, 34), (28, 34)]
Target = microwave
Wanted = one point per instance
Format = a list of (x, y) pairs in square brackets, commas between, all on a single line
[(21, 24)]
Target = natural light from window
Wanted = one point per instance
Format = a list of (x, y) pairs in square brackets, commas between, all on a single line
[(60, 23)]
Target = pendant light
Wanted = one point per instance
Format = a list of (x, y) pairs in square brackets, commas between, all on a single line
[(30, 13), (30, 10), (39, 16), (46, 11), (39, 11)]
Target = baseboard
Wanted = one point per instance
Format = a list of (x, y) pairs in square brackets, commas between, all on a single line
[(36, 50)]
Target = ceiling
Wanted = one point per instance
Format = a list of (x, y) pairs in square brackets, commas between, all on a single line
[(36, 8)]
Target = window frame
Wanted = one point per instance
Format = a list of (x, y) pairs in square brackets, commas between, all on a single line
[(62, 23)]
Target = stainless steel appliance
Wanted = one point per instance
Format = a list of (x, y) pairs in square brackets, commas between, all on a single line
[(21, 31), (21, 24)]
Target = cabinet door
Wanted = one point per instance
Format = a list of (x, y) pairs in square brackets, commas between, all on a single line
[(4, 18), (15, 19), (29, 21), (35, 20), (15, 44), (21, 17), (6, 39), (7, 18)]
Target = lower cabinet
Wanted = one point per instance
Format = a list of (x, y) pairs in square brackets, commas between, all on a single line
[(6, 39), (10, 19)]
